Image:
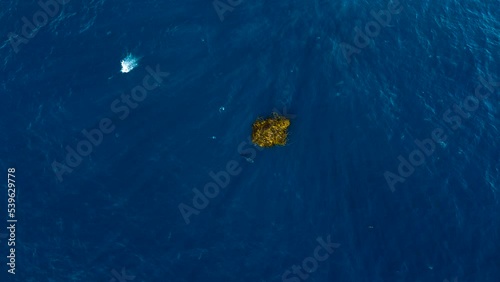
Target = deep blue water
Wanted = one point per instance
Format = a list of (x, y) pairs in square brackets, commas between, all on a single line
[(116, 216)]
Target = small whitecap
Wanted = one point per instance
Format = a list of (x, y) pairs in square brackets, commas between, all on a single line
[(129, 63), (443, 144)]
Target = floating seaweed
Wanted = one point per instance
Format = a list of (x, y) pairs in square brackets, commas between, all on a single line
[(271, 131)]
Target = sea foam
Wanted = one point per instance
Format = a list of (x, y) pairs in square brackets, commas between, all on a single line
[(129, 63)]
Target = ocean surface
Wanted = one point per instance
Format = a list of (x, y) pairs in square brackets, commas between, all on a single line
[(147, 173)]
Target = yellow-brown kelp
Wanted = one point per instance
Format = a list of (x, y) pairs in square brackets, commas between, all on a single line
[(271, 131)]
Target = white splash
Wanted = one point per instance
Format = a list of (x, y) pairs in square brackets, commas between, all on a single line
[(129, 63)]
